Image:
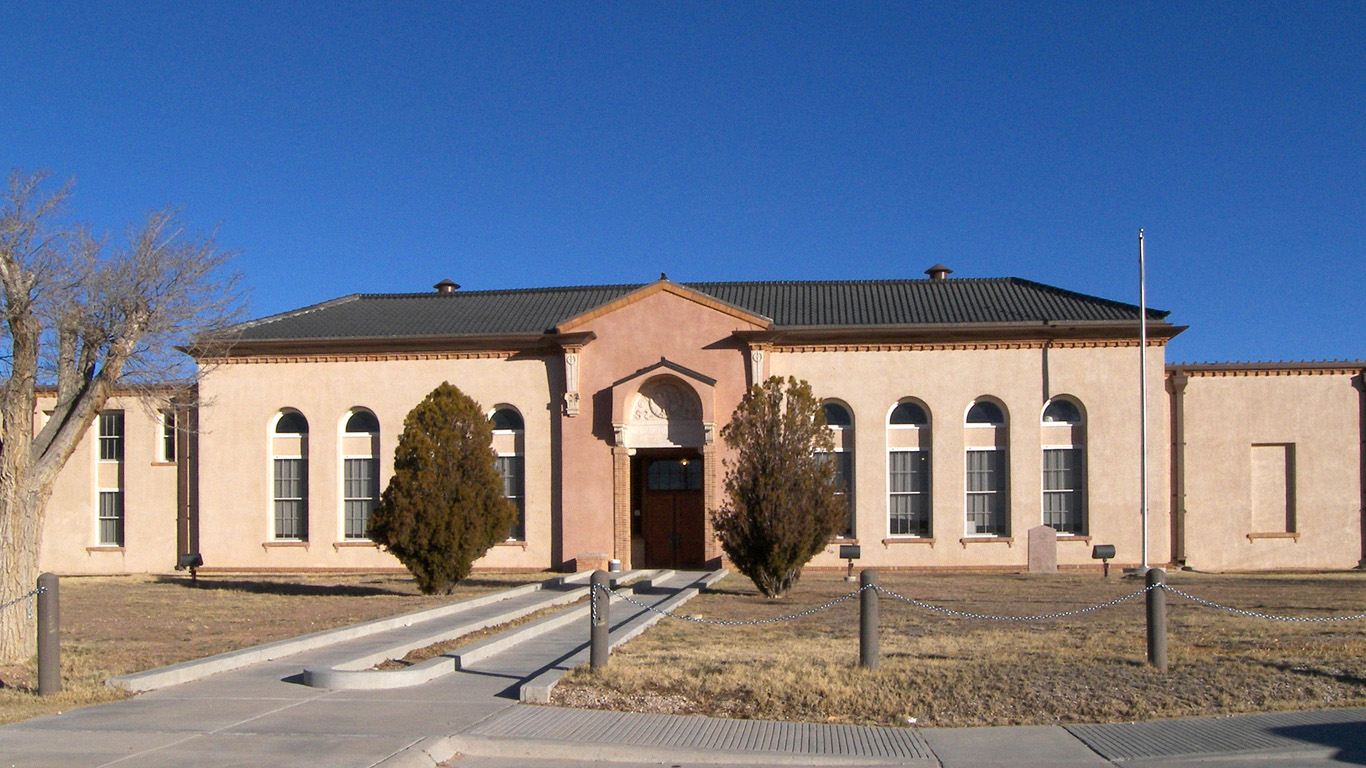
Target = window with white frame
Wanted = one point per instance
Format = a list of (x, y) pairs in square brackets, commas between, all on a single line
[(111, 436), (1061, 411), (109, 515), (508, 432), (908, 471), (291, 503), (1064, 467), (840, 422), (908, 474), (986, 492), (290, 477), (167, 444), (111, 518), (1062, 490), (985, 413), (986, 469), (360, 493), (360, 473), (514, 484)]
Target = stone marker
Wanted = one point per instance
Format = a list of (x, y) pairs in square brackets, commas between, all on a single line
[(1043, 549)]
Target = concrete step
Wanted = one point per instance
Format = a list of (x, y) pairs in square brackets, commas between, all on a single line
[(175, 674), (355, 673), (668, 595)]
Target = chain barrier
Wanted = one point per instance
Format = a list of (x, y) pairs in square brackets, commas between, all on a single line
[(721, 623), (967, 614), (1267, 616), (32, 593), (1038, 617)]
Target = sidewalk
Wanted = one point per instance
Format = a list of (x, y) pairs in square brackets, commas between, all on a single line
[(263, 714)]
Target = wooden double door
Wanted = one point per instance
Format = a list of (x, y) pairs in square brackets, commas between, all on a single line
[(673, 513)]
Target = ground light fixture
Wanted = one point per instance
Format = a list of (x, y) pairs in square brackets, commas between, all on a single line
[(850, 552), (192, 560), (1104, 553)]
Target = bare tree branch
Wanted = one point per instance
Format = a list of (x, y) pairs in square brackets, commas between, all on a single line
[(88, 320)]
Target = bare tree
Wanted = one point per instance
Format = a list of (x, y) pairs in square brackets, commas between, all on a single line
[(86, 320)]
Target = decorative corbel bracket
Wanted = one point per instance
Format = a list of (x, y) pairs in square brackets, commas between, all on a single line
[(571, 379)]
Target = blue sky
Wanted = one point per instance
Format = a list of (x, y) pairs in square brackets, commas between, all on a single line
[(347, 147)]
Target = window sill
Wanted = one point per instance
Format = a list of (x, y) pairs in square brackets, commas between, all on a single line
[(1085, 538), (105, 548), (512, 543), (909, 540), (163, 463), (1275, 535), (846, 540), (284, 544), (966, 540), (355, 543)]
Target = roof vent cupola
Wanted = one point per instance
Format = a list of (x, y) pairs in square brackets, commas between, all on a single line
[(446, 286), (938, 272)]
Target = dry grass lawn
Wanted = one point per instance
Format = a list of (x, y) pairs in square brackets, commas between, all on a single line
[(946, 671), (120, 624)]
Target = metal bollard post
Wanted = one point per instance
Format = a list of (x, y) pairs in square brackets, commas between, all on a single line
[(598, 618), (1157, 619), (49, 629), (867, 634)]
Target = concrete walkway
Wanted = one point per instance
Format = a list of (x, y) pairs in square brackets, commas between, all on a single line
[(262, 714)]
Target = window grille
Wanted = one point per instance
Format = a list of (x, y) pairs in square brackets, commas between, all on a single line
[(674, 475), (1062, 490), (986, 497), (844, 478), (168, 431), (111, 436), (360, 493), (511, 468), (111, 518), (291, 504), (909, 502)]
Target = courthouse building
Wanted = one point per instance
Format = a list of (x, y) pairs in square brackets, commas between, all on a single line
[(965, 412)]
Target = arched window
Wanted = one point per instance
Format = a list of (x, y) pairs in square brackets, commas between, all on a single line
[(987, 413), (507, 419), (289, 453), (840, 421), (291, 423), (908, 414), (987, 469), (360, 472), (837, 416), (509, 444), (362, 423), (908, 470), (1064, 467), (1060, 411)]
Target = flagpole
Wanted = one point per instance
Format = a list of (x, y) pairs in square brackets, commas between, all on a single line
[(1143, 387)]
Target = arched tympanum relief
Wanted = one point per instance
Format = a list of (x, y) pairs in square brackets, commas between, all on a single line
[(666, 401), (665, 414)]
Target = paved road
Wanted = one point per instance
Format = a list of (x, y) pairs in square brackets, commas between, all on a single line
[(262, 714)]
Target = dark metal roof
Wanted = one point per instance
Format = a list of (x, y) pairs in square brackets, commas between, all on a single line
[(790, 305)]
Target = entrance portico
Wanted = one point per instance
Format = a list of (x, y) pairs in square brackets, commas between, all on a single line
[(664, 467)]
